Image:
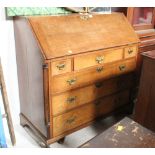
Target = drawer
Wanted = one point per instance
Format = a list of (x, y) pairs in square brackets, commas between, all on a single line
[(79, 79), (130, 52), (61, 66), (100, 57), (87, 113), (74, 98)]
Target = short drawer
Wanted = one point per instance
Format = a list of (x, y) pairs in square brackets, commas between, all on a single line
[(97, 58), (130, 51), (87, 113), (74, 98), (79, 79), (61, 66)]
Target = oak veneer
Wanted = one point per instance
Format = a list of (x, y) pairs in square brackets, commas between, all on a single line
[(101, 57), (74, 98), (87, 113), (56, 35)]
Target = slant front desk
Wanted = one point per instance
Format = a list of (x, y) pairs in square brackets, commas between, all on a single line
[(73, 69)]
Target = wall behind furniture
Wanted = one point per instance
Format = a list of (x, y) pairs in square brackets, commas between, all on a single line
[(8, 59)]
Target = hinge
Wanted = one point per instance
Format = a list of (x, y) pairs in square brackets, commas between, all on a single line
[(48, 120), (48, 124), (45, 66)]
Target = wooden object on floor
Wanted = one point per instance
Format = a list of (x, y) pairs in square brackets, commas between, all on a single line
[(145, 106), (73, 69), (124, 134), (6, 106)]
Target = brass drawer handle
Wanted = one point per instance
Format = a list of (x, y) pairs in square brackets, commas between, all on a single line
[(71, 120), (122, 67), (100, 59), (99, 69), (130, 51), (98, 84), (97, 103), (71, 81), (61, 66), (118, 100), (71, 99)]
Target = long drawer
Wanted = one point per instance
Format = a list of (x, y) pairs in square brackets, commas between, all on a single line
[(74, 98), (87, 113), (63, 83)]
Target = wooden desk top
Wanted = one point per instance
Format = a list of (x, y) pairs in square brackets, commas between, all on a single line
[(124, 134)]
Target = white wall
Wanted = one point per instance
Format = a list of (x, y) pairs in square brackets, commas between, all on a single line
[(8, 59)]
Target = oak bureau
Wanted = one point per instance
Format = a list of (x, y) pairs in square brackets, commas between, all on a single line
[(73, 69)]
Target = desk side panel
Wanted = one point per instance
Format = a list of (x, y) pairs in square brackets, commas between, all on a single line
[(30, 74)]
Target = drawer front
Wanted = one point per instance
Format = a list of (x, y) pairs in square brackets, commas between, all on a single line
[(79, 79), (130, 52), (97, 58), (61, 66), (87, 113), (75, 98)]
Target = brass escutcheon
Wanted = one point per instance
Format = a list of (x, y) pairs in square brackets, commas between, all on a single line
[(99, 69)]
